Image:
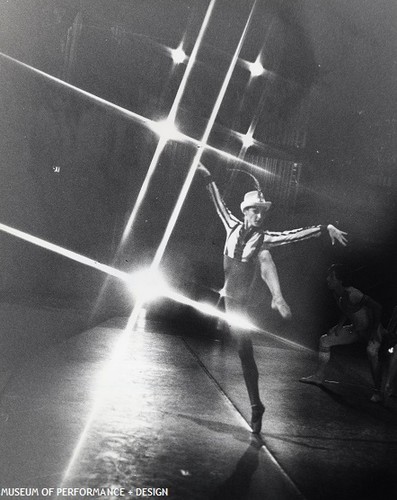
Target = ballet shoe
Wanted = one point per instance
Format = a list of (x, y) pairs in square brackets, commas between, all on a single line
[(256, 418)]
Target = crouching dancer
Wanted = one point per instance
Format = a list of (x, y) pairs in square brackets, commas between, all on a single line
[(359, 322), (247, 243)]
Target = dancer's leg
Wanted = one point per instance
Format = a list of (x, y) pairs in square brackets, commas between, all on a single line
[(251, 377), (341, 336), (376, 369), (250, 370), (391, 373), (243, 343)]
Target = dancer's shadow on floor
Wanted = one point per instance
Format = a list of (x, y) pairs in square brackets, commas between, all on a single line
[(373, 410), (238, 484)]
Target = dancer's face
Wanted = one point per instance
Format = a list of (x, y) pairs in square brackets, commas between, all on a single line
[(254, 216)]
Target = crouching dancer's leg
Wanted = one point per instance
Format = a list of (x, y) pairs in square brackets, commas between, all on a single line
[(373, 347), (391, 374), (336, 336)]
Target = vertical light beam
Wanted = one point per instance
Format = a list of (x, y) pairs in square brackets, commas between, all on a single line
[(171, 117), (190, 176), (189, 179)]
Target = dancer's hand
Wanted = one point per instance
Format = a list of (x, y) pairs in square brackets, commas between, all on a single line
[(203, 170), (337, 234)]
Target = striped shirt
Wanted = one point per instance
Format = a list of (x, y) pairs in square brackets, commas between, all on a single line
[(244, 244)]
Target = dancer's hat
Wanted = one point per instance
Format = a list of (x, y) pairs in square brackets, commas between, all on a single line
[(255, 199)]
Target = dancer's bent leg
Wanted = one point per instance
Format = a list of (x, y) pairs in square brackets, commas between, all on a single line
[(270, 277)]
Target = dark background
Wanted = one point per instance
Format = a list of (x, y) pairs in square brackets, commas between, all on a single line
[(325, 114)]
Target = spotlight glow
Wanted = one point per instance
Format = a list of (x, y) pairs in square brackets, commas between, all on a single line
[(148, 285), (178, 55), (167, 130), (256, 68), (247, 140)]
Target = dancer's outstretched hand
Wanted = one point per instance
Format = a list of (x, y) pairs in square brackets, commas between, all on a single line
[(337, 234)]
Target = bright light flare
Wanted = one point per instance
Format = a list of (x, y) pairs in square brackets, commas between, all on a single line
[(256, 68), (167, 130), (148, 285), (178, 55), (247, 140)]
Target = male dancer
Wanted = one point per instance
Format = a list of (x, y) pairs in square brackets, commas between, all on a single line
[(363, 317), (247, 243)]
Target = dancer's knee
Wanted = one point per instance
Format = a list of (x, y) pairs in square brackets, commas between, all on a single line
[(266, 257)]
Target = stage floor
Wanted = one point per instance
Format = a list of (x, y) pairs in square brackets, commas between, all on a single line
[(114, 412)]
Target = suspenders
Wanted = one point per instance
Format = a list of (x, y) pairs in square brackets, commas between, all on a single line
[(242, 241), (258, 246)]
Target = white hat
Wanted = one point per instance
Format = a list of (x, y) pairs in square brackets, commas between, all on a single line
[(255, 199)]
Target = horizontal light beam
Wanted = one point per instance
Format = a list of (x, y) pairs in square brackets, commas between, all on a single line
[(65, 252), (134, 281)]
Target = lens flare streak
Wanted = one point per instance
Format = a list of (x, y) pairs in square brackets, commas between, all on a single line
[(199, 153), (146, 285), (171, 118), (65, 252)]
